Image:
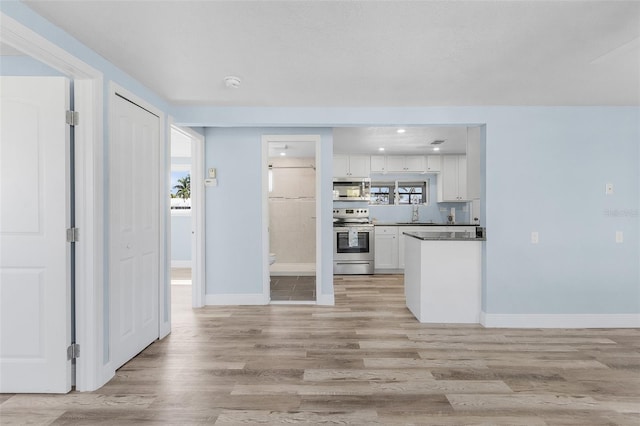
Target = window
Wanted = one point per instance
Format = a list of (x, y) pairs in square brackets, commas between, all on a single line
[(382, 193), (412, 192), (399, 193)]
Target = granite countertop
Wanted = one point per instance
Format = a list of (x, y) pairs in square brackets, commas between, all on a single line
[(422, 224), (444, 236)]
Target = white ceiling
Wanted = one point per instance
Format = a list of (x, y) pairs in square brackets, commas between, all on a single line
[(414, 141), (367, 53)]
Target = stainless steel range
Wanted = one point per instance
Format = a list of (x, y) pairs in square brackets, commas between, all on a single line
[(353, 248)]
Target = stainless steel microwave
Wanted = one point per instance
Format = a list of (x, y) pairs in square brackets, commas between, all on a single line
[(346, 189)]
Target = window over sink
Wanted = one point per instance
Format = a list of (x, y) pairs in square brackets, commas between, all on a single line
[(399, 193)]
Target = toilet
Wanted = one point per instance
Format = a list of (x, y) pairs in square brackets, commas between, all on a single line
[(272, 258)]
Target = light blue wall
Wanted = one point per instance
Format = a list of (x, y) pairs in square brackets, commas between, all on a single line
[(545, 169), (234, 208)]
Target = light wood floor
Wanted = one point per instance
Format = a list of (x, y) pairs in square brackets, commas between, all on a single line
[(365, 361)]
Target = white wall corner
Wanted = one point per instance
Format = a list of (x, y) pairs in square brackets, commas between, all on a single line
[(326, 299), (236, 299), (560, 320)]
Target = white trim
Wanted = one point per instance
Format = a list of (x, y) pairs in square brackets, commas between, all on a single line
[(560, 320), (181, 264), (236, 299), (266, 287), (88, 87)]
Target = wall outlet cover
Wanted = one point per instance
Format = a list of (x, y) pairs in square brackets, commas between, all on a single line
[(534, 237)]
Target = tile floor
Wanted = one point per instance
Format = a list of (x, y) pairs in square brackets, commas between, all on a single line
[(293, 288)]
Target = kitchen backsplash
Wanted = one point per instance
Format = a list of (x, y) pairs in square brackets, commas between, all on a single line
[(434, 212)]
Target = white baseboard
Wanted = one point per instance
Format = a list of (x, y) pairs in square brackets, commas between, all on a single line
[(560, 320), (181, 264), (236, 299), (325, 299)]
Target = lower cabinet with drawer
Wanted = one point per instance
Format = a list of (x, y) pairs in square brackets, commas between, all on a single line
[(386, 249)]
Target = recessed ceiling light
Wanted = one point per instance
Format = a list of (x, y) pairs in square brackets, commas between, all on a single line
[(401, 130), (436, 149), (381, 149), (282, 154)]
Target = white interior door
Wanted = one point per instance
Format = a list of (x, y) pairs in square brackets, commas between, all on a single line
[(134, 185), (35, 314)]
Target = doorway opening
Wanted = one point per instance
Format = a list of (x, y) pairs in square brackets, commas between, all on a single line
[(291, 210), (186, 224)]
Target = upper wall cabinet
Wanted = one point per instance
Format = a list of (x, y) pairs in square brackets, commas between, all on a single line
[(351, 165), (452, 182), (405, 163), (434, 163), (400, 164), (378, 164)]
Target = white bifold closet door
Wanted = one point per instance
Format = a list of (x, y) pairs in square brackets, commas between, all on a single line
[(134, 187)]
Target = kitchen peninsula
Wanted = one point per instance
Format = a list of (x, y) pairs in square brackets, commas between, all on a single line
[(442, 276)]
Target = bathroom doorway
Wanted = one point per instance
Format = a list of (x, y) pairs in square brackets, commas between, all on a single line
[(292, 204)]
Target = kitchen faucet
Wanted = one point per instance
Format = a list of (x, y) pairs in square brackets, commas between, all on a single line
[(415, 214)]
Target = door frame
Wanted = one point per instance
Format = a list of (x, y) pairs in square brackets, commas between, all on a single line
[(197, 214), (316, 139), (92, 369)]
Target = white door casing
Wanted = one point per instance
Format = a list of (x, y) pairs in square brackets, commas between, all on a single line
[(35, 319), (134, 187)]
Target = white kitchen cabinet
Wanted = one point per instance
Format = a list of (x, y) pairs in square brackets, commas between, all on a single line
[(386, 247), (351, 166), (405, 163), (452, 182), (401, 237), (434, 163), (378, 164)]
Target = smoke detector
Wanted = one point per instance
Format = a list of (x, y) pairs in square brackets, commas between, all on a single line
[(232, 82)]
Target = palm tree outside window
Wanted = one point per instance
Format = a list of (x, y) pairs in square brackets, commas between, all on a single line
[(180, 190)]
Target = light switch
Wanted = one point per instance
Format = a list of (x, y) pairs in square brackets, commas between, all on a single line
[(619, 237), (534, 237), (212, 173), (608, 189)]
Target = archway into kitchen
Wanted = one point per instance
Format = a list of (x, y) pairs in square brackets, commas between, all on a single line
[(423, 178), (291, 218)]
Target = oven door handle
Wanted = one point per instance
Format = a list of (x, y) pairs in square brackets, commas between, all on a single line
[(353, 263)]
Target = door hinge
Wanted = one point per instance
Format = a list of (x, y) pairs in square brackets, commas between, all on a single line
[(73, 118), (73, 351), (73, 235)]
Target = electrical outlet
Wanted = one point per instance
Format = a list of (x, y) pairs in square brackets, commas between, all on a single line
[(608, 189), (534, 237), (619, 237)]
